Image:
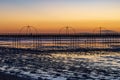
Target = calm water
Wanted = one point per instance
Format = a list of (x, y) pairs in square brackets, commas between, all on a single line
[(61, 43)]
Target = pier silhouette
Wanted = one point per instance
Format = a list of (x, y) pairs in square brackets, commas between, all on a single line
[(28, 39)]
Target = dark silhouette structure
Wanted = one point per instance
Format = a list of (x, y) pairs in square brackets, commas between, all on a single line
[(67, 40)]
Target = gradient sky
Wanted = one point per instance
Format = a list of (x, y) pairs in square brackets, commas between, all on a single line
[(51, 15)]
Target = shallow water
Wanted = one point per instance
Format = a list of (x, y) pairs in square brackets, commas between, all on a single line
[(63, 66)]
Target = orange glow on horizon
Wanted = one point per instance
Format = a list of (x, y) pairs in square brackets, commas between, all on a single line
[(50, 15), (53, 27)]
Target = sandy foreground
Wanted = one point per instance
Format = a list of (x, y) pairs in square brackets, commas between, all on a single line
[(60, 66)]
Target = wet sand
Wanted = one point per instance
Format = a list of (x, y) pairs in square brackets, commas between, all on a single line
[(4, 76), (62, 66)]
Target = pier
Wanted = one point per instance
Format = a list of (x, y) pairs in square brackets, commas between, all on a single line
[(67, 41)]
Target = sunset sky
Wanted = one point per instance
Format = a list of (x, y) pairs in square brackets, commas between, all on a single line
[(51, 15)]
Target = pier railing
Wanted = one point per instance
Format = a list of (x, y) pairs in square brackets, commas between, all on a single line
[(63, 42)]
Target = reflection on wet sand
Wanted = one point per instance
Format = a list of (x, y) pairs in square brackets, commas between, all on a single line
[(62, 66)]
